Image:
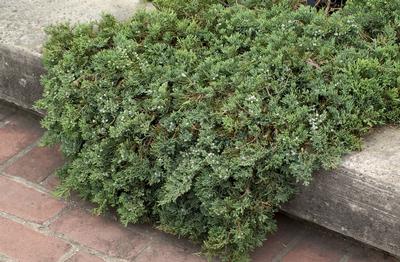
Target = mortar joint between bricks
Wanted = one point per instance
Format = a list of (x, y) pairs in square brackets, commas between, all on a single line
[(83, 247), (51, 220), (75, 248), (70, 206), (69, 254), (31, 225), (27, 183), (4, 258), (289, 247), (3, 123), (345, 258), (19, 155)]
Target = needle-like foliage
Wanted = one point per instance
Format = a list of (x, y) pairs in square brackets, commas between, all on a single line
[(201, 116)]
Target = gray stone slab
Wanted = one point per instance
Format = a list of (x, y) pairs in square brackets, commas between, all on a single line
[(22, 24), (20, 72), (360, 199), (23, 21)]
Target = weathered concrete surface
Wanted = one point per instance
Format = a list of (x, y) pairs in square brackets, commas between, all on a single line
[(23, 21), (360, 199), (22, 24), (20, 73)]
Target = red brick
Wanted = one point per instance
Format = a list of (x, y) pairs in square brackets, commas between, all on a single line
[(100, 234), (317, 246), (25, 245), (27, 203), (165, 252), (19, 132), (51, 182), (288, 229), (84, 257), (38, 164)]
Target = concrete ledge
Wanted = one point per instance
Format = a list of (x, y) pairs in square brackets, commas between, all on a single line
[(22, 24), (361, 199), (20, 72)]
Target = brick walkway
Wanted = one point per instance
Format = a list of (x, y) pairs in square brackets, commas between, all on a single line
[(35, 227)]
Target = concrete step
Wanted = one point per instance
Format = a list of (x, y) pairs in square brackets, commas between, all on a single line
[(360, 199), (22, 24)]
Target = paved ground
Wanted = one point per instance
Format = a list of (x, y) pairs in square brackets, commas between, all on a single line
[(35, 227)]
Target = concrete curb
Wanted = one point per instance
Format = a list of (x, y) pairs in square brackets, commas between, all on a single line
[(20, 72), (360, 199), (22, 25)]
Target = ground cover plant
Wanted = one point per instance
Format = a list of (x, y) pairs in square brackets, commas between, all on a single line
[(202, 116)]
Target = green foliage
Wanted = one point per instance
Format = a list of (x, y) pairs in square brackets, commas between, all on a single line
[(201, 116)]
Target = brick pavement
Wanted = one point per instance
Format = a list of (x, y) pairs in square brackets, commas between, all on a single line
[(36, 227)]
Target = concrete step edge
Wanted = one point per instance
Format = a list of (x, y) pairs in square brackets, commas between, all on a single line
[(20, 72)]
